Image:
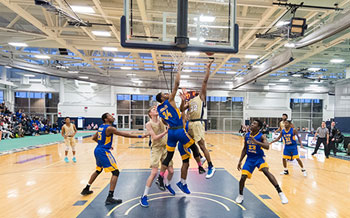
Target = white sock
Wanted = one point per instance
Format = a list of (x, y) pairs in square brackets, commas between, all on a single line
[(302, 169), (146, 191), (285, 169), (183, 181), (166, 182)]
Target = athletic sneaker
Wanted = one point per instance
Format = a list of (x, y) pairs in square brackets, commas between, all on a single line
[(111, 200), (170, 189), (203, 159), (284, 172), (239, 199), (283, 198), (74, 159), (144, 202), (201, 170), (183, 188), (86, 191), (211, 171), (160, 183), (304, 172), (66, 160)]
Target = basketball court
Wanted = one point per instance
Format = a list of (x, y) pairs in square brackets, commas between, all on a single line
[(81, 59)]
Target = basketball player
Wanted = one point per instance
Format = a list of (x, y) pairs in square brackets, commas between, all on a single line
[(158, 132), (104, 157), (170, 114), (197, 113), (281, 124), (254, 143), (68, 132), (290, 151)]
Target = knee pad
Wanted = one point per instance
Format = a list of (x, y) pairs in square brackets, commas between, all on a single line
[(195, 150), (168, 158), (187, 160), (67, 148), (98, 172), (73, 148), (115, 172)]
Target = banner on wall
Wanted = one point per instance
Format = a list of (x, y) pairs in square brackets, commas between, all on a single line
[(81, 122), (312, 142)]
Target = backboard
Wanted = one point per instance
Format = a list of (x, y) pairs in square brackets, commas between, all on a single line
[(180, 25)]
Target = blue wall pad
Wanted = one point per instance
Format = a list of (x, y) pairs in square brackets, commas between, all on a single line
[(209, 198)]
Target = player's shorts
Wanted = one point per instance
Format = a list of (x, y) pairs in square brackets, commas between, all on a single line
[(158, 154), (70, 141), (290, 152), (251, 163), (196, 130), (104, 160), (185, 141)]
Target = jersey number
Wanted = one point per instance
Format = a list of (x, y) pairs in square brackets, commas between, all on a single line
[(193, 107), (166, 114), (99, 135), (288, 141)]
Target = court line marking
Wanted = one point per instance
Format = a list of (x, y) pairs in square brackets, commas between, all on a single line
[(162, 193), (187, 196)]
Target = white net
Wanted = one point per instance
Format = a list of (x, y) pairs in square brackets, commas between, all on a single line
[(179, 59)]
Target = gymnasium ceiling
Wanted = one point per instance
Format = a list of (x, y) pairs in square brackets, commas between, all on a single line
[(44, 32)]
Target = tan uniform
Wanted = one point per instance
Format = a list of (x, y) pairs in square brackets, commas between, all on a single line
[(158, 147), (69, 132), (196, 113), (282, 125)]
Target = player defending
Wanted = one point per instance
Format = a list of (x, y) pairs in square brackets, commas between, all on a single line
[(104, 157), (254, 142), (282, 122), (68, 132), (196, 112), (171, 115), (290, 150), (158, 132)]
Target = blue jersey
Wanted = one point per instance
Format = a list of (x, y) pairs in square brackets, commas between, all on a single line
[(170, 115), (289, 137), (254, 150), (104, 141)]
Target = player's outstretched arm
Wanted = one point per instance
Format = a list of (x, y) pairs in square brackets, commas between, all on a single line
[(277, 139), (183, 105), (176, 86), (153, 135), (113, 130), (203, 93)]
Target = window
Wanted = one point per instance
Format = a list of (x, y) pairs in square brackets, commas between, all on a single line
[(307, 113), (37, 103), (1, 96)]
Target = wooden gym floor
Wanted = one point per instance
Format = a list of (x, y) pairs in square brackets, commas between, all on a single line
[(38, 183)]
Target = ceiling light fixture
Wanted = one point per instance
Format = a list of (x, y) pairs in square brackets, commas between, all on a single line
[(251, 56), (289, 45), (189, 63), (82, 9), (231, 72), (110, 49), (119, 60), (29, 75), (126, 68), (42, 56), (284, 80), (187, 71), (296, 75), (101, 33), (185, 76), (18, 44), (314, 69), (73, 72), (337, 61), (83, 77)]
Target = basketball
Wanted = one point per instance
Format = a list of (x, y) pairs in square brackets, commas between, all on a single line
[(210, 53)]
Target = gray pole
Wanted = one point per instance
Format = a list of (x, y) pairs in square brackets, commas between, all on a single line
[(181, 38)]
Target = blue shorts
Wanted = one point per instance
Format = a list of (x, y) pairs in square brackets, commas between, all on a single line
[(290, 152), (185, 141), (104, 160), (251, 163)]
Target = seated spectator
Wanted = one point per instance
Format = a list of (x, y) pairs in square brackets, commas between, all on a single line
[(95, 127), (339, 138), (88, 127)]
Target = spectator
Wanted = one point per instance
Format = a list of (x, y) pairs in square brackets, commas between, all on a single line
[(332, 132), (338, 138), (95, 127), (88, 127)]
